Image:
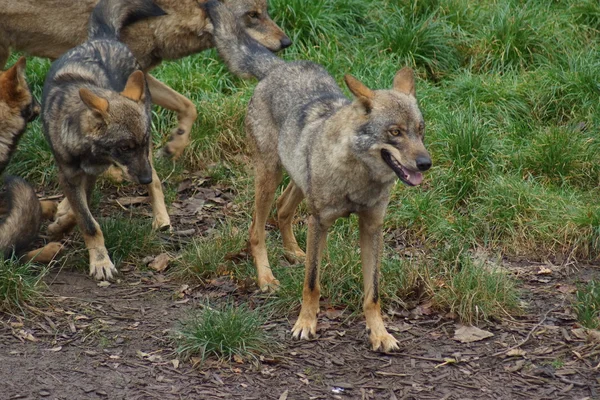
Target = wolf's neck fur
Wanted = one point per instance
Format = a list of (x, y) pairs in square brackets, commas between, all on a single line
[(10, 133)]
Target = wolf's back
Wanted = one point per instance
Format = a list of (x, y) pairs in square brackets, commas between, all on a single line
[(243, 55), (110, 16), (22, 222)]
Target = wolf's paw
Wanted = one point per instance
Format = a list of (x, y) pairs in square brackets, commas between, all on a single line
[(177, 142), (161, 223), (61, 226), (102, 268), (268, 283), (49, 209), (383, 342), (305, 327), (294, 255)]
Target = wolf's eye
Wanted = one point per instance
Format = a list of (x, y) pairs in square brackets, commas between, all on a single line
[(254, 15), (395, 132), (124, 149)]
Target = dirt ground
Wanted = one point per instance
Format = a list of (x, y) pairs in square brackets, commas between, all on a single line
[(92, 342)]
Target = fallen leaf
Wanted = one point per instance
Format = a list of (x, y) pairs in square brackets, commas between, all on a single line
[(175, 363), (104, 284), (593, 336), (238, 359), (579, 333), (517, 367), (544, 271), (284, 395), (160, 262), (468, 334), (516, 353)]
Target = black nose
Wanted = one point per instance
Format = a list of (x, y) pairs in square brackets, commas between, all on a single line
[(145, 179), (423, 163), (285, 42)]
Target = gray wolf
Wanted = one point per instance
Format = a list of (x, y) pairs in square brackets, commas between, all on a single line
[(23, 213), (343, 156), (96, 112), (49, 28)]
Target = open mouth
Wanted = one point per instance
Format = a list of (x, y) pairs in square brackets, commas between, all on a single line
[(411, 178)]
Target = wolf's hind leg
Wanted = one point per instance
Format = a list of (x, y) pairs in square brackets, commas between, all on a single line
[(266, 181), (64, 222), (45, 254), (286, 207)]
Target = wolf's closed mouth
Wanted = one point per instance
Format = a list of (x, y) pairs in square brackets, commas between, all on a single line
[(411, 178)]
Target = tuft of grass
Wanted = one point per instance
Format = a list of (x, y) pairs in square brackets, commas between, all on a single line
[(419, 40), (208, 256), (20, 283), (475, 292), (587, 305), (128, 239), (223, 332)]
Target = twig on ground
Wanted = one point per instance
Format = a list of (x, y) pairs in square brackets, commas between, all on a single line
[(527, 337)]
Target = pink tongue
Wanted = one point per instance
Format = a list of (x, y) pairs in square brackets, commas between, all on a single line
[(413, 177)]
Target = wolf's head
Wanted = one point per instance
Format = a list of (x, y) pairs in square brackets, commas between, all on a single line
[(18, 105), (253, 17), (118, 127), (390, 138)]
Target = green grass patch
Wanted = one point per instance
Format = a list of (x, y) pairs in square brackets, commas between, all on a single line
[(20, 284), (587, 305), (223, 332)]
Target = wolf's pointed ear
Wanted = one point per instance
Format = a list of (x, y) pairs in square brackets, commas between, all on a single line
[(13, 79), (134, 89), (361, 91), (98, 105), (404, 81)]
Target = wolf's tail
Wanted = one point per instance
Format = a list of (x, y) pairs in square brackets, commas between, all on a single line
[(110, 16), (22, 223), (243, 55)]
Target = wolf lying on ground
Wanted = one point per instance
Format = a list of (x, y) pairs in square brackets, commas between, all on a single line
[(49, 28), (21, 224), (342, 156), (95, 113)]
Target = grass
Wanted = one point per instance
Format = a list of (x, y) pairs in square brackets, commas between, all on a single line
[(20, 284), (587, 305), (509, 92), (224, 332)]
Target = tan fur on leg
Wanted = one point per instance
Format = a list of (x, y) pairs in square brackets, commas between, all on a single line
[(161, 221), (286, 207), (166, 97), (306, 325), (65, 220), (49, 209), (101, 267), (371, 247), (45, 254), (265, 185)]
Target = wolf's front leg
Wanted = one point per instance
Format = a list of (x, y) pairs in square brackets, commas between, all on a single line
[(77, 190), (161, 221), (306, 325), (371, 247), (168, 98)]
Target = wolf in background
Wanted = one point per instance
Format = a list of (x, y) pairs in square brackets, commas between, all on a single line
[(342, 156), (96, 112), (24, 213), (49, 28)]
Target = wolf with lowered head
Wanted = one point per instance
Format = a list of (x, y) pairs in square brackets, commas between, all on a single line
[(343, 156), (96, 113)]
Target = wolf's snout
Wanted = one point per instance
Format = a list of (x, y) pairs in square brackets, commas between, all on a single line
[(423, 163), (145, 179), (285, 42)]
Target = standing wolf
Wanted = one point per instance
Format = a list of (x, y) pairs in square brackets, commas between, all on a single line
[(22, 221), (49, 28), (342, 156), (95, 113)]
